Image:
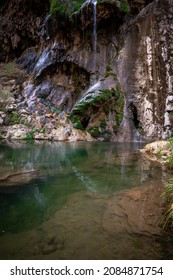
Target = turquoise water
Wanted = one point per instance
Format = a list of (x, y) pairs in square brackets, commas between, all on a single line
[(59, 190)]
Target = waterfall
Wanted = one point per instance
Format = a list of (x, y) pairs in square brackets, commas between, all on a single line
[(95, 36)]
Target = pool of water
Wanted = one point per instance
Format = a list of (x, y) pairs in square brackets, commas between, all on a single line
[(80, 201)]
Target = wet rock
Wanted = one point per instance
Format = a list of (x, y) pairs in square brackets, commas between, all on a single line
[(43, 89), (17, 178), (135, 211), (49, 249), (50, 56), (51, 239), (28, 61), (147, 84)]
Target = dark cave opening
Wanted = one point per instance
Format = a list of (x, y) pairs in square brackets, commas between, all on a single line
[(135, 116)]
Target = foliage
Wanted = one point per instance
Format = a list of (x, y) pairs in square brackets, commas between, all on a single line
[(30, 135), (170, 161), (167, 221), (10, 69), (170, 158), (94, 131), (6, 97), (109, 100), (65, 7), (124, 6), (171, 142), (76, 122), (57, 6), (15, 118)]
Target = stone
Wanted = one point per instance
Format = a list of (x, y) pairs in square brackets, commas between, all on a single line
[(49, 249), (1, 121), (158, 151)]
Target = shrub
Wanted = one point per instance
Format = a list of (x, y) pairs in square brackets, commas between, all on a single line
[(10, 69), (167, 221), (14, 118), (68, 7), (124, 6)]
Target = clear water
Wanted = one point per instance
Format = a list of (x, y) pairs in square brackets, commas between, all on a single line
[(79, 201)]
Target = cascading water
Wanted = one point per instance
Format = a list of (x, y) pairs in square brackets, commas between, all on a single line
[(95, 36), (94, 83)]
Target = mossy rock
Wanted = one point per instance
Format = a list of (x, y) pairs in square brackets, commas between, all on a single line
[(76, 122), (94, 131)]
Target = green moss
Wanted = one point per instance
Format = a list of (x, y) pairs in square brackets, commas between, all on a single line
[(65, 7), (119, 106), (9, 70), (167, 221), (57, 6), (124, 6), (30, 135), (108, 100), (170, 161), (94, 131), (14, 117), (76, 122), (6, 97)]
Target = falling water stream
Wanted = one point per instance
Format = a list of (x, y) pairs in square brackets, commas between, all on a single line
[(95, 35), (80, 201)]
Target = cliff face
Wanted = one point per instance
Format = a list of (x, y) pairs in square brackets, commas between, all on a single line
[(19, 26), (145, 70), (103, 71)]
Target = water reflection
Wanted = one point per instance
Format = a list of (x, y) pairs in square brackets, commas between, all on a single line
[(71, 189)]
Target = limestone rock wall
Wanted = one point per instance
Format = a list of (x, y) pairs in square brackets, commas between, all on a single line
[(146, 71), (103, 72), (19, 26)]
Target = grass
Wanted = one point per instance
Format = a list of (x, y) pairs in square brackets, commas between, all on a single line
[(6, 97), (170, 158), (167, 221), (15, 118), (9, 70)]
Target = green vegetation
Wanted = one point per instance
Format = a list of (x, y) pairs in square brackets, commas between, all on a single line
[(14, 117), (30, 135), (94, 131), (109, 101), (57, 6), (124, 6), (76, 122), (170, 158), (9, 70), (167, 221), (65, 7), (6, 97), (170, 161)]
